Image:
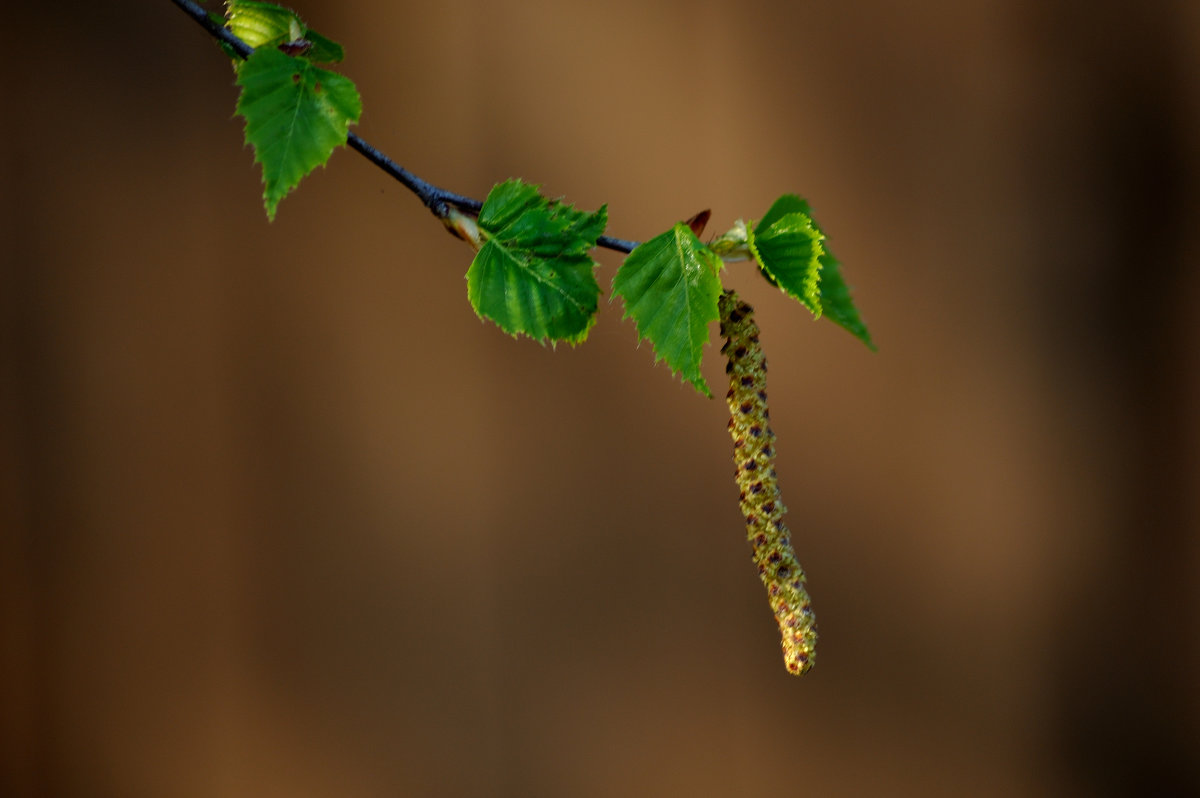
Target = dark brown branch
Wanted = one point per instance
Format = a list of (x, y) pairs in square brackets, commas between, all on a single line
[(436, 199)]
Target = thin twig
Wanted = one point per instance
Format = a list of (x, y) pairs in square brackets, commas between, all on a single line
[(435, 199)]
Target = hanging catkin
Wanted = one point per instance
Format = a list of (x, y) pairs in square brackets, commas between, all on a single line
[(754, 459)]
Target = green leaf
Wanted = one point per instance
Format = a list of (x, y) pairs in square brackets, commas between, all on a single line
[(533, 274), (258, 23), (670, 288), (778, 245), (787, 246), (296, 115)]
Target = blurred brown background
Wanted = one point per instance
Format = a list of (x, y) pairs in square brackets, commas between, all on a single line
[(282, 517)]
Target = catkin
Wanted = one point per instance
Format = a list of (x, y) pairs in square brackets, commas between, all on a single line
[(754, 461)]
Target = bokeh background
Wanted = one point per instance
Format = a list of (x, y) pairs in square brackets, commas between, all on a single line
[(282, 517)]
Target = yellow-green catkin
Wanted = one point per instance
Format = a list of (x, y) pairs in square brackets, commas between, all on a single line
[(754, 461)]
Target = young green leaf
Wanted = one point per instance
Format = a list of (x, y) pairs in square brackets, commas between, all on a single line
[(670, 288), (778, 243), (533, 274), (258, 23), (787, 246), (296, 115)]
